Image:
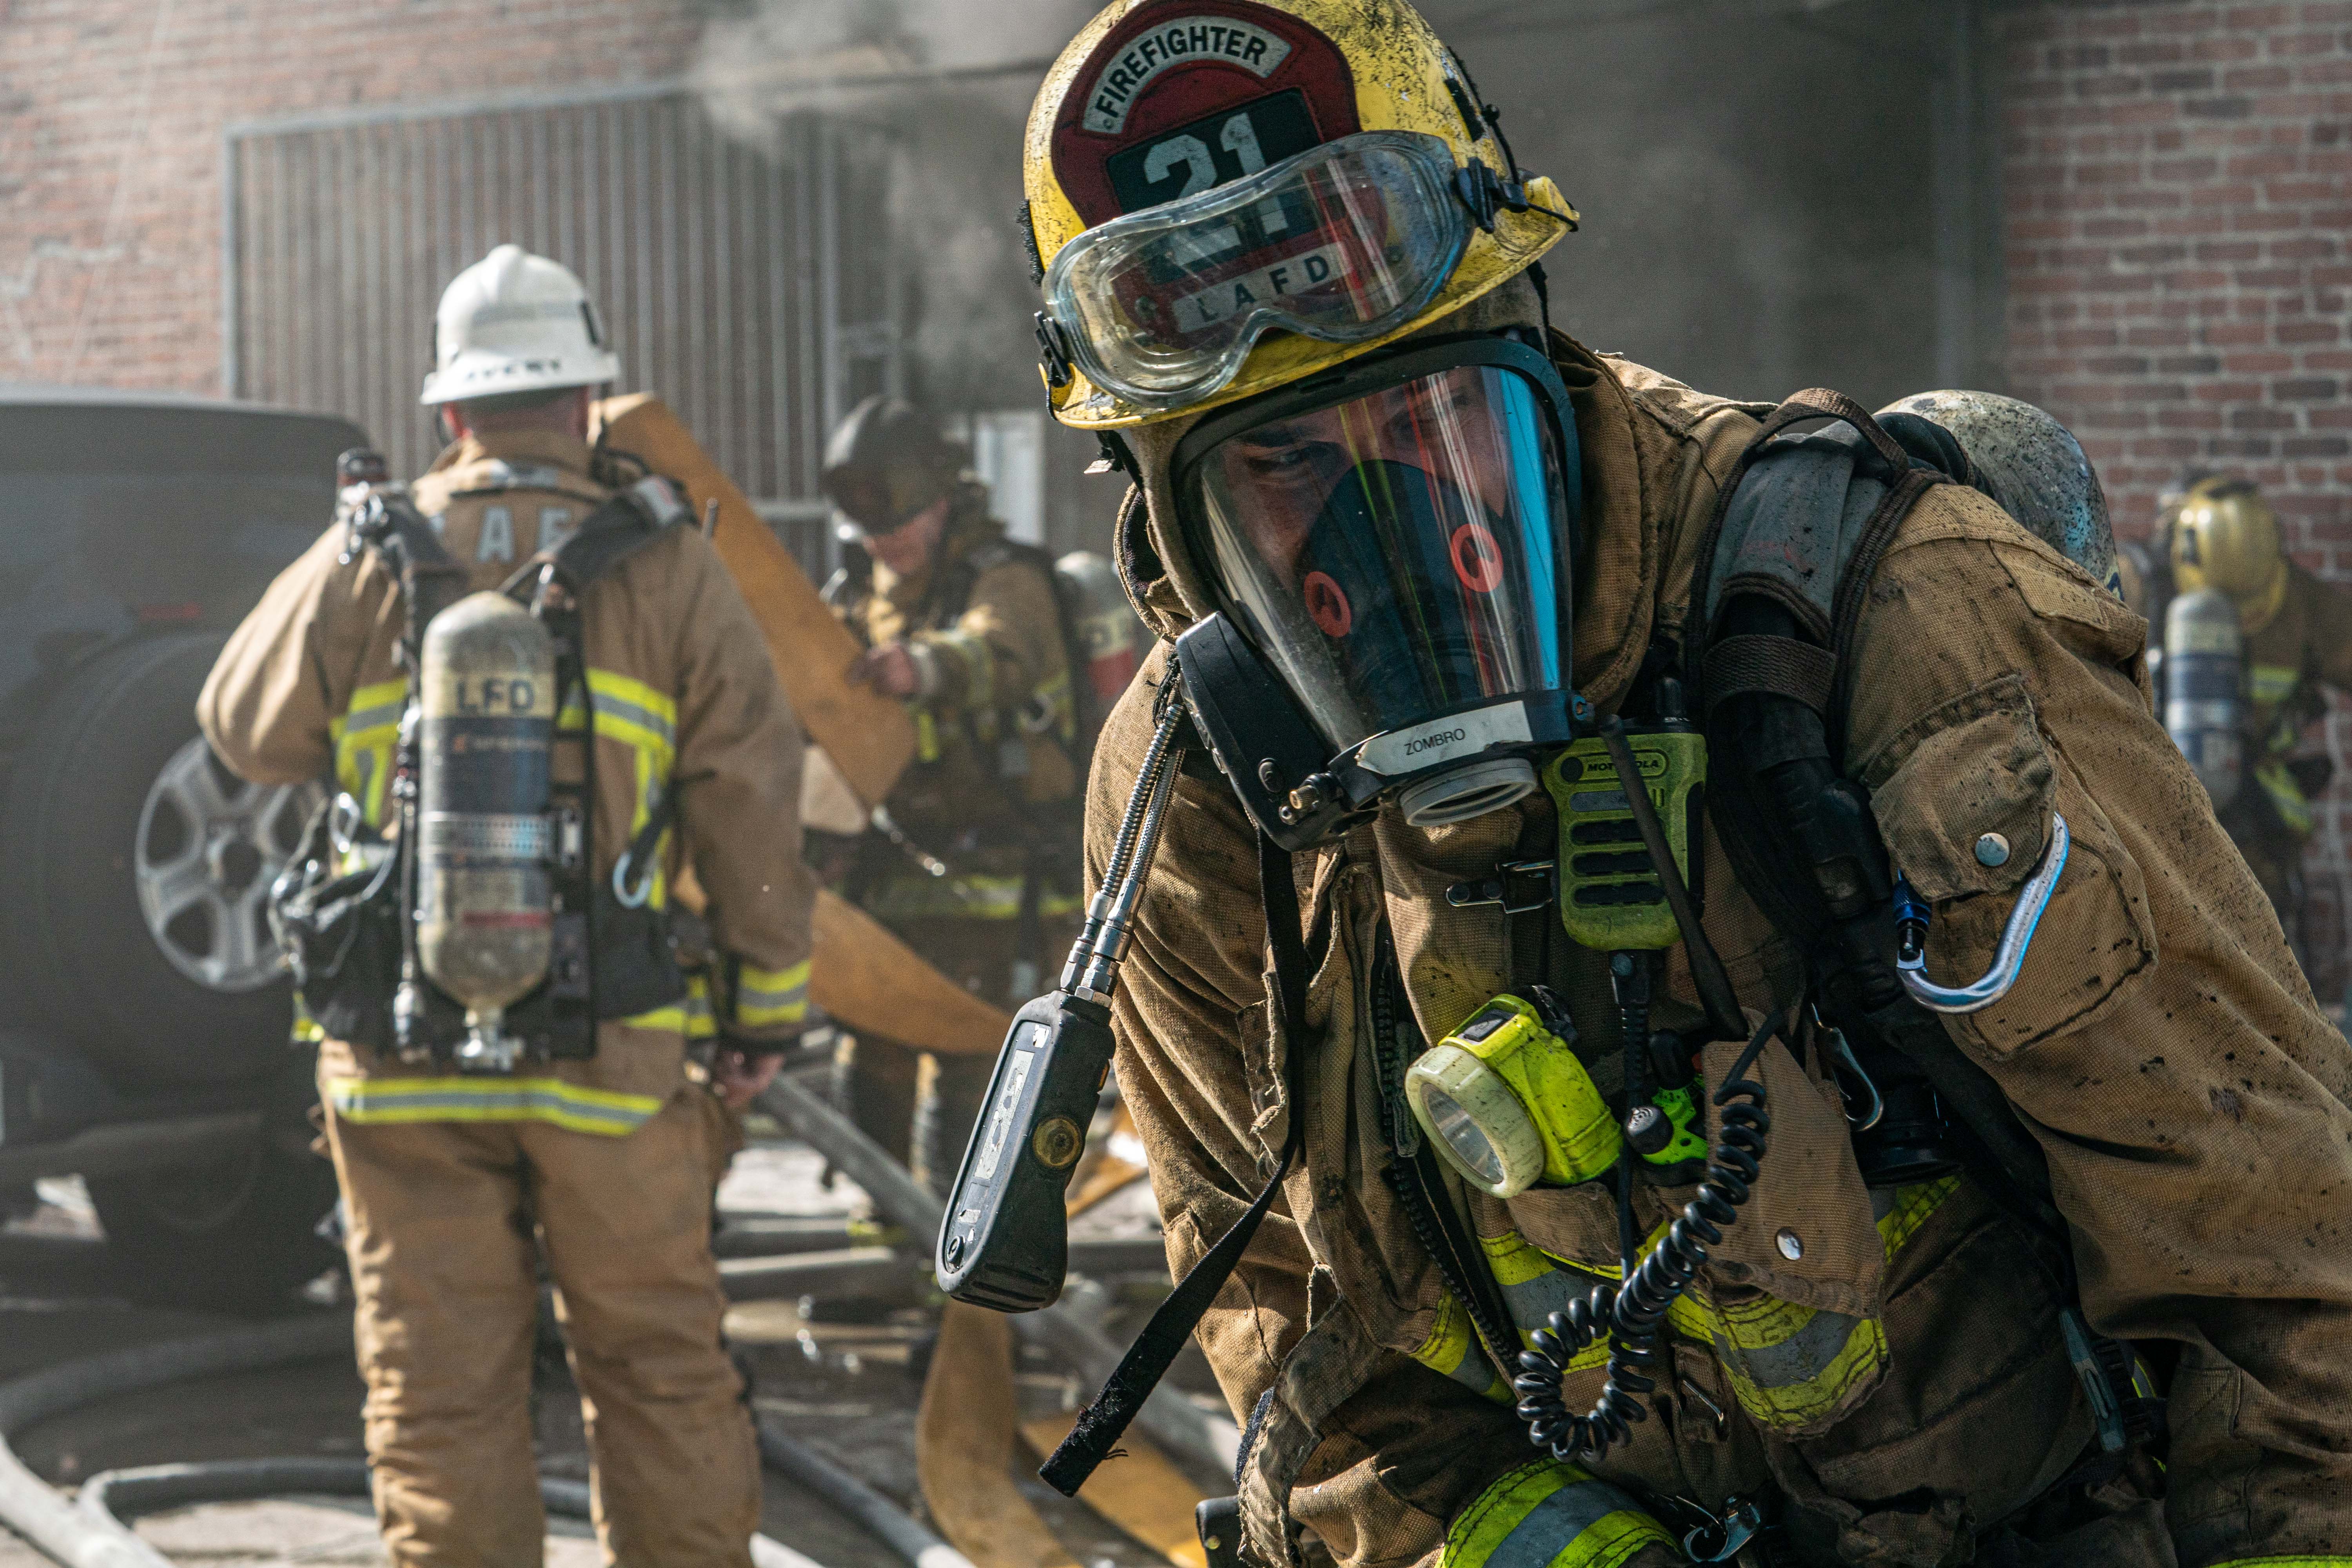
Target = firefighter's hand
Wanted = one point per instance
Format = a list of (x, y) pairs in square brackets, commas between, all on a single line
[(740, 1075), (890, 669)]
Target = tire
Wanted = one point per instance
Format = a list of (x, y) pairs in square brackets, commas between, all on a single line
[(136, 927), (238, 1234)]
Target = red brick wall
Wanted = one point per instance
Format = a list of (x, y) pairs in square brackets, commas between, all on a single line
[(110, 114), (2178, 179)]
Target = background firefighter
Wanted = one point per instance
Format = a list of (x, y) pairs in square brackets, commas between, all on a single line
[(2298, 645), (973, 858), (458, 1188), (1379, 492)]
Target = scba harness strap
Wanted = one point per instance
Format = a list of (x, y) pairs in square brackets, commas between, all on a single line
[(350, 934), (1784, 569)]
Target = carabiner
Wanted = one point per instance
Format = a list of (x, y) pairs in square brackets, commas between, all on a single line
[(1911, 914), (1722, 1536), (631, 900)]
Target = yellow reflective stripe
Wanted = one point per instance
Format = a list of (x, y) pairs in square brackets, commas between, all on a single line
[(2287, 1562), (1054, 693), (765, 996), (1452, 1349), (364, 737), (1914, 1205), (973, 897), (2274, 682), (689, 1016), (1534, 1288), (1787, 1364), (386, 1100), (927, 736), (2294, 806), (1549, 1515), (1791, 1364)]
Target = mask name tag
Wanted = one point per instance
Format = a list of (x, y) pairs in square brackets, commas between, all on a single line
[(1444, 740)]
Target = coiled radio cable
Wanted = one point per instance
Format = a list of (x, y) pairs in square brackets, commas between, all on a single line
[(1633, 1315)]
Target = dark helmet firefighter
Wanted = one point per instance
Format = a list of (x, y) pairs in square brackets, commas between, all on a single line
[(975, 856), (456, 1184), (1422, 547)]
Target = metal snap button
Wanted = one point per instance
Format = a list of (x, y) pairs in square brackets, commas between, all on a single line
[(1792, 1246), (1993, 850)]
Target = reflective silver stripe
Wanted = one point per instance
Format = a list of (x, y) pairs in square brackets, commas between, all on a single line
[(382, 714), (1801, 1358), (1554, 1523), (609, 706), (1533, 1300)]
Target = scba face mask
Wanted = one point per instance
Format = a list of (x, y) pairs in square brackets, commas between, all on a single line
[(1392, 548)]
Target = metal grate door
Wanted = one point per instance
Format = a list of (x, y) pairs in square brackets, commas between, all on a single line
[(752, 289)]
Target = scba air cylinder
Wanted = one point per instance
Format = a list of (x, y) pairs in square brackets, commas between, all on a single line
[(484, 898), (2204, 668)]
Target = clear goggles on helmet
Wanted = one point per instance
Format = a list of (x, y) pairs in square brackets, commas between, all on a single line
[(1344, 242), (1397, 545)]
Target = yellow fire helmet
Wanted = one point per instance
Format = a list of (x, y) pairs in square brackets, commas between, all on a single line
[(2226, 538), (1229, 196)]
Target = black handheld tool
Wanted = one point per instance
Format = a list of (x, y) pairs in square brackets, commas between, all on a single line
[(1004, 1242)]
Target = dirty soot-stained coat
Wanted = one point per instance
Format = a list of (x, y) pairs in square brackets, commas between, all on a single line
[(2161, 1046)]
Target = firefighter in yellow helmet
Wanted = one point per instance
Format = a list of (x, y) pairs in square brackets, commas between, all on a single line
[(974, 858), (2298, 641), (577, 1133), (1397, 965)]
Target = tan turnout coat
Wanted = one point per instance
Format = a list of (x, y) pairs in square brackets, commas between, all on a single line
[(2161, 1046), (309, 689)]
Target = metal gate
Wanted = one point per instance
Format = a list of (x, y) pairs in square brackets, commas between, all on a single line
[(752, 288)]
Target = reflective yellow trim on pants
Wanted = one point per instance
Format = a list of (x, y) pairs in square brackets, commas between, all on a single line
[(1453, 1350), (365, 736), (1549, 1515), (379, 1102), (2287, 1562), (976, 897), (765, 997)]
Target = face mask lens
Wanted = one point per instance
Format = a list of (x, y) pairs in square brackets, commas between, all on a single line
[(1398, 556), (1343, 242), (1463, 1136)]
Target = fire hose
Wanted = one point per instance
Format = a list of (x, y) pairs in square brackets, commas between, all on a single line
[(91, 1533)]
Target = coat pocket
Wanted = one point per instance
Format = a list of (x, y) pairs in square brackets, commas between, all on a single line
[(1976, 781)]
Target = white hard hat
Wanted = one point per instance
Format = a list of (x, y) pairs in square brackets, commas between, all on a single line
[(516, 322)]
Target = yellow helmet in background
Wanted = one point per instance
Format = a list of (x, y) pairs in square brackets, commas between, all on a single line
[(1229, 196), (2225, 536)]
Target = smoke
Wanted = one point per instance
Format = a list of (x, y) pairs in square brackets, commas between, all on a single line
[(948, 83)]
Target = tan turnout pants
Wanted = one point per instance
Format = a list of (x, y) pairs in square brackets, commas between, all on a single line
[(446, 1222)]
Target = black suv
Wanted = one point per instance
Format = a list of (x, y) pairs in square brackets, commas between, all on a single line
[(144, 1040)]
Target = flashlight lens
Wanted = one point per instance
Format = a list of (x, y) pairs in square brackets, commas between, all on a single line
[(1463, 1136)]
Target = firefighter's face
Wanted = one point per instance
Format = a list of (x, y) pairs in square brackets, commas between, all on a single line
[(907, 547)]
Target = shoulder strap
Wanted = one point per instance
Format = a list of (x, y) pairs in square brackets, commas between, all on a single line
[(1147, 1360), (627, 522), (381, 518)]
